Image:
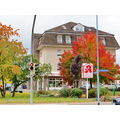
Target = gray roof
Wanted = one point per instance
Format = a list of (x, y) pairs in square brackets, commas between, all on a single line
[(36, 44), (49, 37), (69, 28)]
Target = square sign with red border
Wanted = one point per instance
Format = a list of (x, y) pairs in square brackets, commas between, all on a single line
[(87, 70)]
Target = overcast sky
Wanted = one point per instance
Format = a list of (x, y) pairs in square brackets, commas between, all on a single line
[(107, 23)]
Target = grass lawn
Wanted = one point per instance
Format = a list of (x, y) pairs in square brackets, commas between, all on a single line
[(23, 98)]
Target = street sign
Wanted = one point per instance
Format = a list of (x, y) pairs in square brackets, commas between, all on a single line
[(87, 70), (102, 71)]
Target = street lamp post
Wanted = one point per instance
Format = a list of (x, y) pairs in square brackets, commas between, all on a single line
[(97, 51), (31, 60)]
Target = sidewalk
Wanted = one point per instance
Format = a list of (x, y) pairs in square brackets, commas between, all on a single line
[(82, 103), (91, 103)]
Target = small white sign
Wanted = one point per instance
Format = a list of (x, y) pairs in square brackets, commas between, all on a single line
[(87, 70)]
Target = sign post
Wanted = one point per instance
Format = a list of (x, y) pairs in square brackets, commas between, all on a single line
[(87, 89), (87, 72)]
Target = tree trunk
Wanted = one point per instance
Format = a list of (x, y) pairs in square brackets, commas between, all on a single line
[(91, 84), (75, 81), (3, 89), (75, 84), (40, 84), (3, 93), (13, 93)]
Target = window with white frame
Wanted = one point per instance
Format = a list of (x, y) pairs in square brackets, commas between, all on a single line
[(52, 82), (58, 66), (103, 40), (59, 38), (68, 39), (55, 82), (59, 52)]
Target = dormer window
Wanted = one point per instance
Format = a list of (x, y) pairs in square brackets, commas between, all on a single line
[(79, 28), (89, 29), (68, 39), (59, 38), (64, 27)]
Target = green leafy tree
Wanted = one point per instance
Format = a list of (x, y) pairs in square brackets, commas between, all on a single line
[(40, 71), (18, 80)]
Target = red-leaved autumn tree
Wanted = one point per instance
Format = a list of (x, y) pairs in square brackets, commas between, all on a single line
[(85, 46)]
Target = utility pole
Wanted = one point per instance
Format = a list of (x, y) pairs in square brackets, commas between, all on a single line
[(97, 51), (31, 61)]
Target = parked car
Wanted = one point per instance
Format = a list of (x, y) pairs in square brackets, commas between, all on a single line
[(19, 89), (110, 87), (118, 87), (116, 101), (24, 86), (84, 86), (8, 86)]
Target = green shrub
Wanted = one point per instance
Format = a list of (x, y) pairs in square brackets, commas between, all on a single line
[(76, 92), (49, 95), (35, 93), (54, 93), (104, 91), (106, 98), (65, 92), (43, 92), (92, 93)]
